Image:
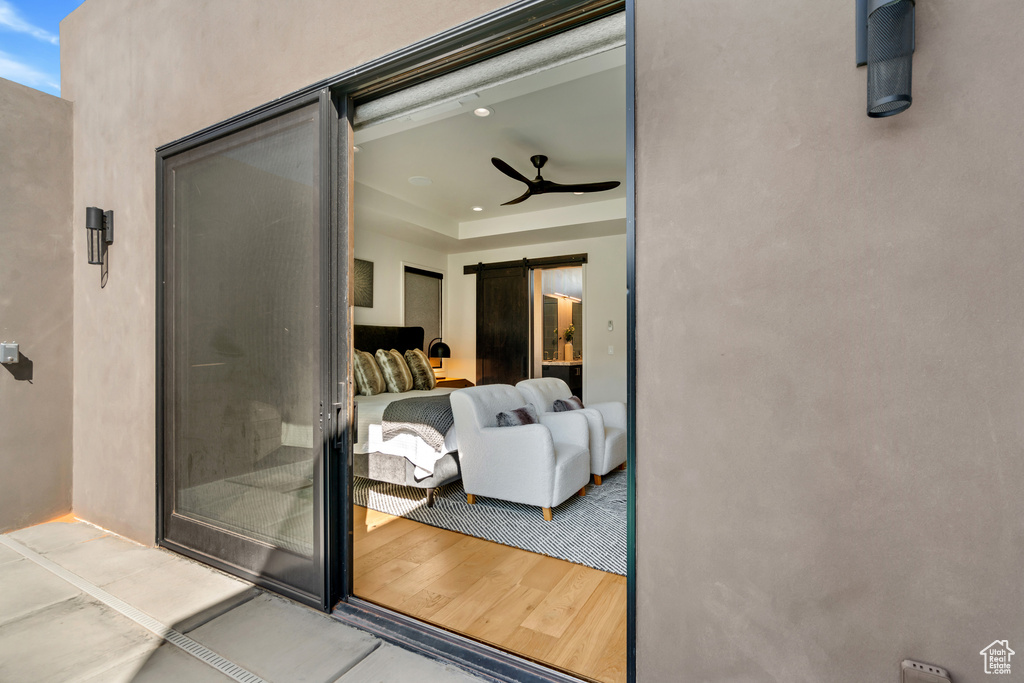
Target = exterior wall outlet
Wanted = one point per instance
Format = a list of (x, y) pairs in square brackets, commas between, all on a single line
[(916, 672), (9, 352)]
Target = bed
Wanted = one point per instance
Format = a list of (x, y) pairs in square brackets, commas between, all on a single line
[(403, 459)]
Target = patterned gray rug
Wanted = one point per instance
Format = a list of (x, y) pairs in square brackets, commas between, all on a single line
[(588, 530)]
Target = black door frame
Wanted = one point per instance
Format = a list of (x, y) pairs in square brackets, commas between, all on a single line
[(513, 26)]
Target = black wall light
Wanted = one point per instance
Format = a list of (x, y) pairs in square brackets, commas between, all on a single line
[(99, 228), (885, 42)]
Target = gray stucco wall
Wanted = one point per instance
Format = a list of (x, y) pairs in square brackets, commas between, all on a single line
[(830, 384), (831, 345), (35, 305)]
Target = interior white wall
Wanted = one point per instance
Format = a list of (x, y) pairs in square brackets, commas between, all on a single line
[(604, 299), (390, 255)]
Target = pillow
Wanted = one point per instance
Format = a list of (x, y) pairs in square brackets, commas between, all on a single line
[(419, 366), (527, 415), (571, 403), (369, 380), (396, 372)]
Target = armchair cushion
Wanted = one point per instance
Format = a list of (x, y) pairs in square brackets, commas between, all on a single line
[(561, 405), (527, 415)]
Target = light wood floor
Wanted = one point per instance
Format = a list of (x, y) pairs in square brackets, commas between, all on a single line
[(562, 614)]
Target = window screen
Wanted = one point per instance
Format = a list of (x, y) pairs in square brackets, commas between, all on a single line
[(423, 302)]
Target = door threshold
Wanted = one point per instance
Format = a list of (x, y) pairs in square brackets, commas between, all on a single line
[(472, 655)]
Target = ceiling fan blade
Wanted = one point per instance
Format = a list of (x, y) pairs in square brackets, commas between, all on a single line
[(509, 171), (520, 198), (581, 187)]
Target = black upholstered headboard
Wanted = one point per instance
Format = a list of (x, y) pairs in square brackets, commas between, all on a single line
[(369, 338)]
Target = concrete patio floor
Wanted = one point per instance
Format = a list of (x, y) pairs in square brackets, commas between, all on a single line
[(55, 628)]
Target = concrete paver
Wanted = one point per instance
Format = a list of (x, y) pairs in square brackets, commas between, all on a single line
[(71, 639), (25, 587), (44, 538), (280, 640), (166, 664), (181, 593), (8, 555), (389, 664), (51, 631), (104, 560)]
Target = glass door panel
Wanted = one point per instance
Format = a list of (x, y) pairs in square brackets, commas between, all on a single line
[(243, 389)]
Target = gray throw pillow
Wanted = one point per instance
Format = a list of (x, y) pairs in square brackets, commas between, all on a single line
[(563, 404), (527, 415), (369, 380), (396, 372), (422, 374)]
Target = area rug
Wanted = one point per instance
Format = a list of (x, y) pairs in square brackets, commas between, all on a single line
[(589, 530)]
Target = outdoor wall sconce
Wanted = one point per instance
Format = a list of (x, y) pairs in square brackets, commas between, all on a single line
[(99, 227), (885, 42), (438, 350)]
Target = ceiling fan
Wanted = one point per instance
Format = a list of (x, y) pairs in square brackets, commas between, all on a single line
[(540, 186)]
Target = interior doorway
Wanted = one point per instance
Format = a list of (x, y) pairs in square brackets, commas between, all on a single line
[(432, 186)]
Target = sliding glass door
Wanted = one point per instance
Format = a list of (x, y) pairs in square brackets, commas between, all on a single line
[(245, 334)]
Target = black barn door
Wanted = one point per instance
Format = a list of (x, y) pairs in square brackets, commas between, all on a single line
[(502, 325)]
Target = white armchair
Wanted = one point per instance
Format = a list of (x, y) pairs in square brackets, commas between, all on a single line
[(607, 422), (538, 464)]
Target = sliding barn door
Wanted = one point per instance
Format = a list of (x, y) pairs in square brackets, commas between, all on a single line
[(502, 325)]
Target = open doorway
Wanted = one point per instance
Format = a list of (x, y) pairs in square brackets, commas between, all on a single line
[(428, 193)]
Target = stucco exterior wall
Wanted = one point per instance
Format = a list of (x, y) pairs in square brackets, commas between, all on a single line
[(35, 305), (159, 72), (830, 326), (830, 457)]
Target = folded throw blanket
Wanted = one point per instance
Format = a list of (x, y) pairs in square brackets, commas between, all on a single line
[(428, 417)]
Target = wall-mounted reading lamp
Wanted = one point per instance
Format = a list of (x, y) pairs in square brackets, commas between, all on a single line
[(99, 226), (438, 350), (885, 42)]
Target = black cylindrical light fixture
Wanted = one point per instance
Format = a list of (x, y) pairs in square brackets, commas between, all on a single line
[(94, 234), (890, 52)]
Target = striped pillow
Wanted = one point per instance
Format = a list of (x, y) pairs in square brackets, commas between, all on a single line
[(369, 380), (396, 372), (419, 366), (527, 415), (571, 403)]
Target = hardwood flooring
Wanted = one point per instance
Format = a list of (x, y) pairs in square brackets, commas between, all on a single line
[(549, 610)]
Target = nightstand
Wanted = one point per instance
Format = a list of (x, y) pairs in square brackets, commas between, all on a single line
[(454, 382)]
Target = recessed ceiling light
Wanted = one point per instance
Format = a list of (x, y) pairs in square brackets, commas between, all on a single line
[(483, 111), (478, 208), (577, 193), (421, 181)]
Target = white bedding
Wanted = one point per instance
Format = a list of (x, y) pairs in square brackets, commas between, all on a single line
[(416, 450)]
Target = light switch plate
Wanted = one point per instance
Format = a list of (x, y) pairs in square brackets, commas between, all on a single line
[(918, 672), (8, 352)]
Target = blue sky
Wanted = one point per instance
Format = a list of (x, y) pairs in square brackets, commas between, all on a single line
[(29, 42)]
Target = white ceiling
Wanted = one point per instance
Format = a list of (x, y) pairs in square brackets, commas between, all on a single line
[(575, 115)]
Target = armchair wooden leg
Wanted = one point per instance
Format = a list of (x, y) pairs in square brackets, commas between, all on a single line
[(583, 491), (597, 479), (430, 497), (622, 466), (471, 499), (547, 514)]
